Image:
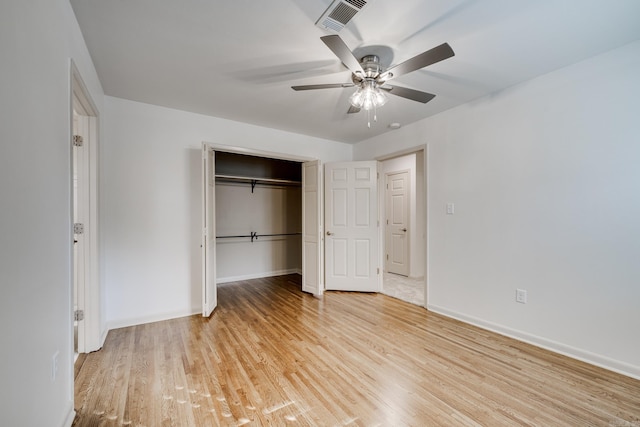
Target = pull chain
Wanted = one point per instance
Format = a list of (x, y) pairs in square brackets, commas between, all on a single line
[(375, 116)]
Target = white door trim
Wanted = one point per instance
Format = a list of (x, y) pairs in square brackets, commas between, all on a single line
[(80, 98), (278, 156), (259, 153)]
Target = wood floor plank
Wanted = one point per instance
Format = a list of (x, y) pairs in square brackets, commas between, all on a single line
[(272, 355)]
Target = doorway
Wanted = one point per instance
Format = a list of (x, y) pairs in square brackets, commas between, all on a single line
[(404, 226), (84, 217), (260, 173)]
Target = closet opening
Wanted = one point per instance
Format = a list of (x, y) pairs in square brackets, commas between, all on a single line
[(258, 213), (261, 217)]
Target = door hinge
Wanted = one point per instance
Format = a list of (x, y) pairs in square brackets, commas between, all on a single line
[(387, 257), (378, 271), (78, 228), (77, 140), (78, 315)]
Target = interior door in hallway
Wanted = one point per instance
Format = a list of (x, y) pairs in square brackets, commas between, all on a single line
[(397, 223), (351, 226)]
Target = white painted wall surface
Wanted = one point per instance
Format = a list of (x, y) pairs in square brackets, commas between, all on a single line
[(151, 202), (546, 186), (37, 40)]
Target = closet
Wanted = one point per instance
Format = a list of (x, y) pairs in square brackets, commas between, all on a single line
[(258, 217)]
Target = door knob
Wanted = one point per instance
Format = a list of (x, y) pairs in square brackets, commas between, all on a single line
[(404, 229), (329, 233)]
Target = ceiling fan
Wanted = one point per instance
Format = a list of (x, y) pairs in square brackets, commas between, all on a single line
[(370, 78)]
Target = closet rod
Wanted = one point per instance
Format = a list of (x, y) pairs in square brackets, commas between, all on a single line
[(254, 181), (254, 235)]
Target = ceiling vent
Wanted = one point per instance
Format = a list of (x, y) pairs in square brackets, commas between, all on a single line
[(339, 13)]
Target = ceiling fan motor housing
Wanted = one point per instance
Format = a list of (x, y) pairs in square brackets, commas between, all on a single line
[(372, 69)]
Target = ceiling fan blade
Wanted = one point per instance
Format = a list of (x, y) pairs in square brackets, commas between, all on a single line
[(353, 109), (437, 54), (412, 94), (342, 51), (322, 86)]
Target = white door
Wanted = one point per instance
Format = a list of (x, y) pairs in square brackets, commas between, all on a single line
[(209, 290), (311, 228), (85, 169), (351, 226), (397, 223), (80, 202)]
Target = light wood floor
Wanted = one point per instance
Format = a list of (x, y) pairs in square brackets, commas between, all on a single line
[(271, 355)]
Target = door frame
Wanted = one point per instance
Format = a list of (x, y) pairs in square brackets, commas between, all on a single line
[(80, 99), (278, 156), (424, 199)]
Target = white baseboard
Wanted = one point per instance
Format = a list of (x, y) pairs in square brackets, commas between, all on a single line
[(68, 420), (103, 338), (158, 317), (258, 275), (566, 350)]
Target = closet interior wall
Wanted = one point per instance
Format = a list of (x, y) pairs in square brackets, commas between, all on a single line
[(259, 200)]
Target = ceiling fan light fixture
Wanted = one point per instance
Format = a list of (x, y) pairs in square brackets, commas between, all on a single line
[(368, 96)]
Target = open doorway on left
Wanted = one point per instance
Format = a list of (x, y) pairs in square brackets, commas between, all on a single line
[(85, 294)]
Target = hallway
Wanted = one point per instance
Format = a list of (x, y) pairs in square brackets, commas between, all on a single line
[(404, 288)]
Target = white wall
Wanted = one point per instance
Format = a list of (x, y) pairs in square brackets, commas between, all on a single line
[(546, 186), (151, 202), (37, 40)]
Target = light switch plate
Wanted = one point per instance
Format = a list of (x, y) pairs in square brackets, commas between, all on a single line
[(521, 296), (450, 208)]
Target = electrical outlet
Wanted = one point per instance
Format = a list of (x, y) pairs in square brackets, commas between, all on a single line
[(521, 296), (54, 365)]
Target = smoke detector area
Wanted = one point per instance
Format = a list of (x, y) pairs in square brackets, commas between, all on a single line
[(339, 13)]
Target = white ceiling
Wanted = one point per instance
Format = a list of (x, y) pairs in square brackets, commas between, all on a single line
[(237, 59)]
